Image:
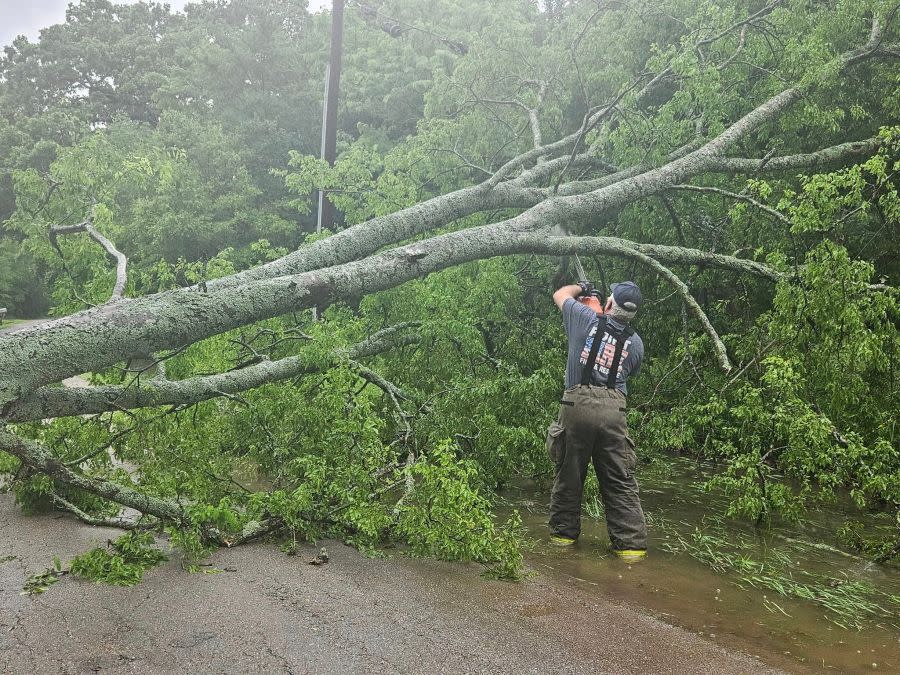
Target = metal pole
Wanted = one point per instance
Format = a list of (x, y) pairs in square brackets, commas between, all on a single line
[(321, 198), (329, 135)]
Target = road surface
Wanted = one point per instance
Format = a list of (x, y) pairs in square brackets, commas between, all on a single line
[(268, 612)]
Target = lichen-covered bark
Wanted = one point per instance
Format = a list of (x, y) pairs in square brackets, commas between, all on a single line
[(50, 402), (363, 239), (101, 337)]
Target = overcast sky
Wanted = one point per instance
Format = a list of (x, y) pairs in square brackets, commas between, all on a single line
[(27, 17)]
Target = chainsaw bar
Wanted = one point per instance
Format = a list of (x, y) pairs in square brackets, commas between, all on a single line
[(580, 269)]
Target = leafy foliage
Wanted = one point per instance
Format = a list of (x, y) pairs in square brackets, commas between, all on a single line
[(445, 517), (122, 563), (40, 582)]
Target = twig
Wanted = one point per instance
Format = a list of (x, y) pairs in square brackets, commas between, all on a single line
[(778, 215)]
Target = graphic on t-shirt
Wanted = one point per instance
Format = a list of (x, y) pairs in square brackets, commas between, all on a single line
[(605, 355)]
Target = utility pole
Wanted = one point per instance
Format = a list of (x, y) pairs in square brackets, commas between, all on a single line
[(332, 89), (320, 200)]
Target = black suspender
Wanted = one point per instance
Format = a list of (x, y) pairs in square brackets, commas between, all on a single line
[(595, 348), (621, 337)]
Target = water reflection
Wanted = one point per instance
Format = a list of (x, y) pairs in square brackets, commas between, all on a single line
[(788, 594)]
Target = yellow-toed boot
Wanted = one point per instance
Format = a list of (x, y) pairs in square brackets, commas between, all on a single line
[(557, 540), (631, 556)]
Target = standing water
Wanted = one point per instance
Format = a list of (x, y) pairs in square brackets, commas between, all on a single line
[(788, 595)]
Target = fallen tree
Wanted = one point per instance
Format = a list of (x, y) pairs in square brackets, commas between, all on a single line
[(342, 267), (564, 184)]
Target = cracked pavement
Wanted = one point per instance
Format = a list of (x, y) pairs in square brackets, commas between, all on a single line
[(276, 614)]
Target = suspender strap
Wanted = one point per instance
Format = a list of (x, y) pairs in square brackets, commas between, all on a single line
[(621, 337), (595, 349)]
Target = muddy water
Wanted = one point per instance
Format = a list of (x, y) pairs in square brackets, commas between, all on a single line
[(683, 588)]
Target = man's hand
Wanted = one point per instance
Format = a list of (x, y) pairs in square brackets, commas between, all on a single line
[(586, 287), (566, 292)]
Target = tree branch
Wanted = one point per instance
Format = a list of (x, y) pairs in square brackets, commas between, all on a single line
[(821, 159), (740, 24), (778, 215), (551, 148), (388, 387), (541, 172), (115, 254), (692, 304), (172, 319), (532, 112), (117, 522), (589, 123), (394, 394), (811, 161), (37, 457), (51, 402)]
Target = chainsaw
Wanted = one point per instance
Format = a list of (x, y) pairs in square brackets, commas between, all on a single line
[(594, 300)]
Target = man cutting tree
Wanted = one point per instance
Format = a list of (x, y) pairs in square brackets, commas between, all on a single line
[(604, 352)]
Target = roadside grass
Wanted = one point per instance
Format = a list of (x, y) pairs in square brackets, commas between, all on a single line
[(593, 507)]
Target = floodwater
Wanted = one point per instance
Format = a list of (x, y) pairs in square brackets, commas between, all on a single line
[(735, 585)]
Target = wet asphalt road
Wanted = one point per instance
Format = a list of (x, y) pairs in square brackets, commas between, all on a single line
[(12, 327), (267, 612)]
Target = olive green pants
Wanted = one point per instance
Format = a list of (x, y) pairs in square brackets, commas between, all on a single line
[(592, 426)]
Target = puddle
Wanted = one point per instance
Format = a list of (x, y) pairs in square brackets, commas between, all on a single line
[(724, 580)]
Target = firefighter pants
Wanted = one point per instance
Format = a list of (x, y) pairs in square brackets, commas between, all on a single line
[(592, 426)]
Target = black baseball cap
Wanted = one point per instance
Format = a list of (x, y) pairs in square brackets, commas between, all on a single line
[(627, 295)]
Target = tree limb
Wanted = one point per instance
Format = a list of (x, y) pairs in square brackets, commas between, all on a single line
[(740, 24), (811, 161), (692, 304), (182, 316), (117, 522), (820, 159), (541, 172), (115, 254), (51, 402), (532, 112), (39, 458), (388, 387), (394, 394)]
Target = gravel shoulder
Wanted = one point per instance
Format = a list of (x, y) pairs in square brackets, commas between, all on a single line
[(267, 612)]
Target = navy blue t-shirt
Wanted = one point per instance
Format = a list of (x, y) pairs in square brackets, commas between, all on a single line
[(581, 324)]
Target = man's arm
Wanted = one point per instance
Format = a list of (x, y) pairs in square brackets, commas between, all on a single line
[(638, 351), (566, 292)]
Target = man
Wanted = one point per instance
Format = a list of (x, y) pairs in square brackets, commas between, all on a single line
[(604, 352)]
